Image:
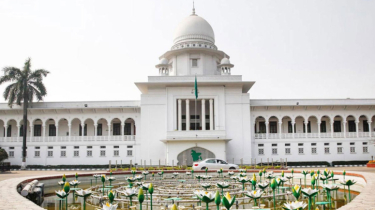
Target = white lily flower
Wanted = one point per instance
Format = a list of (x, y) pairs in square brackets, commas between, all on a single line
[(202, 194), (139, 177), (97, 175), (61, 183), (204, 185), (145, 172), (61, 193), (144, 185), (309, 191), (139, 183), (130, 179), (109, 206), (83, 193), (111, 178), (255, 194), (175, 174), (129, 192), (295, 205), (223, 184), (330, 187), (230, 173), (188, 173), (74, 182)]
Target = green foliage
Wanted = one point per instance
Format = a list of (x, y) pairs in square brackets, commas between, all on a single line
[(189, 168), (277, 167), (151, 168), (355, 162), (141, 169), (134, 169), (3, 155)]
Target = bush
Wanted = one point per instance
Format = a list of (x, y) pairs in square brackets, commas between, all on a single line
[(3, 155), (308, 163), (277, 167), (189, 168), (141, 169), (151, 168), (354, 162)]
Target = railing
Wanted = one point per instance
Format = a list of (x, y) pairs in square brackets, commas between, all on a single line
[(69, 138), (313, 135)]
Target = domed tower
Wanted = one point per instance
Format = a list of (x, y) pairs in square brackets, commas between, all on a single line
[(194, 51)]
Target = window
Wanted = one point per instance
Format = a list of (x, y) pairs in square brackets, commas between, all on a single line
[(84, 130), (365, 149), (99, 131), (50, 153), (76, 147), (63, 147), (352, 149), (352, 127), (194, 62), (260, 145), (9, 131), (11, 147), (116, 147), (365, 126), (274, 145), (290, 127), (211, 161), (21, 130), (287, 151), (76, 153), (339, 150), (261, 151), (313, 150), (352, 143), (326, 150), (63, 153), (37, 153), (274, 151), (308, 127), (102, 147), (37, 130), (50, 147), (37, 147), (323, 127), (337, 126), (52, 130), (273, 127), (11, 153), (89, 153), (192, 126), (130, 153), (129, 147), (89, 147), (287, 145), (300, 144), (326, 144), (116, 153), (102, 153), (300, 150), (313, 144), (116, 129), (262, 127), (339, 144)]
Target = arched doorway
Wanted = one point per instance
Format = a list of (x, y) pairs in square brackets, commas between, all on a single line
[(187, 157)]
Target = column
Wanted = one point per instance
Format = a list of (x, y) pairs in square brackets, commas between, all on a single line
[(43, 132), (211, 114), (109, 131), (18, 129), (306, 123), (187, 114), (344, 123), (83, 130), (95, 131), (57, 132), (280, 127), (319, 129), (70, 131), (369, 128), (31, 132), (332, 129), (122, 129), (179, 115), (267, 129), (6, 131), (203, 114), (356, 128), (293, 128)]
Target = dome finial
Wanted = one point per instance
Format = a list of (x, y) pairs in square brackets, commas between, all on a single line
[(193, 8)]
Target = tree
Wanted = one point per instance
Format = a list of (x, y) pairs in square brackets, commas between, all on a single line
[(25, 85), (3, 155)]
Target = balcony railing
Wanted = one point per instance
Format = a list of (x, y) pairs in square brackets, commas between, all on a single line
[(69, 138), (313, 135)]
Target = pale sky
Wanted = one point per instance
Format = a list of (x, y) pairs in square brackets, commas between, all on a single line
[(96, 50)]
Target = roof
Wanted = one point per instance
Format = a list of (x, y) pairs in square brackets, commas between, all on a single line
[(311, 102)]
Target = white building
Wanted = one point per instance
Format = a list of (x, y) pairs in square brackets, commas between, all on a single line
[(168, 123)]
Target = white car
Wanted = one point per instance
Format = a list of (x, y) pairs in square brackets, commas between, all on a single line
[(212, 163)]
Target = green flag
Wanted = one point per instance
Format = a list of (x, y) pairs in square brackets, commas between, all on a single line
[(196, 87)]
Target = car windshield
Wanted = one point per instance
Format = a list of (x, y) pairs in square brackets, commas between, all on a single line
[(210, 161)]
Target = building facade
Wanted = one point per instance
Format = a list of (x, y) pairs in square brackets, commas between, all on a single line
[(171, 126)]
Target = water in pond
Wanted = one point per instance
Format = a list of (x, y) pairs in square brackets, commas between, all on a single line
[(171, 191)]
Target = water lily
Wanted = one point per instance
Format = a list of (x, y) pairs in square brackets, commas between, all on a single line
[(263, 185), (151, 190), (243, 180), (254, 194), (304, 174), (111, 196), (188, 173), (61, 193), (243, 174), (204, 177), (205, 196), (129, 192), (64, 178), (111, 179), (230, 173), (253, 181), (141, 198), (312, 173), (139, 183), (138, 177), (145, 173), (235, 178), (296, 205), (260, 175), (273, 187), (74, 183), (130, 180), (96, 176), (61, 183), (109, 206), (206, 185), (133, 172), (64, 193), (348, 183), (228, 201), (296, 191), (313, 182), (175, 174), (242, 170), (282, 173), (269, 176), (326, 172), (310, 194), (217, 200), (77, 176), (160, 173), (222, 185), (329, 188)]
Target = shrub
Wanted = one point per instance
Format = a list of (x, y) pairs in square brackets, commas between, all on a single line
[(354, 162), (3, 155), (151, 168), (141, 169), (277, 167), (188, 168), (134, 169)]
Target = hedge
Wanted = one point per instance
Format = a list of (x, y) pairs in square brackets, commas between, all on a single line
[(309, 163), (353, 162)]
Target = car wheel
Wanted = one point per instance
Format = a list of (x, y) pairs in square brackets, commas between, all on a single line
[(232, 168), (203, 168)]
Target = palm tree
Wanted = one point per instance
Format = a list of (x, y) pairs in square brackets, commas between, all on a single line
[(25, 85)]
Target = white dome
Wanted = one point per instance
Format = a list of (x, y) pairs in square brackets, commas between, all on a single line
[(194, 28), (163, 61), (225, 61)]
